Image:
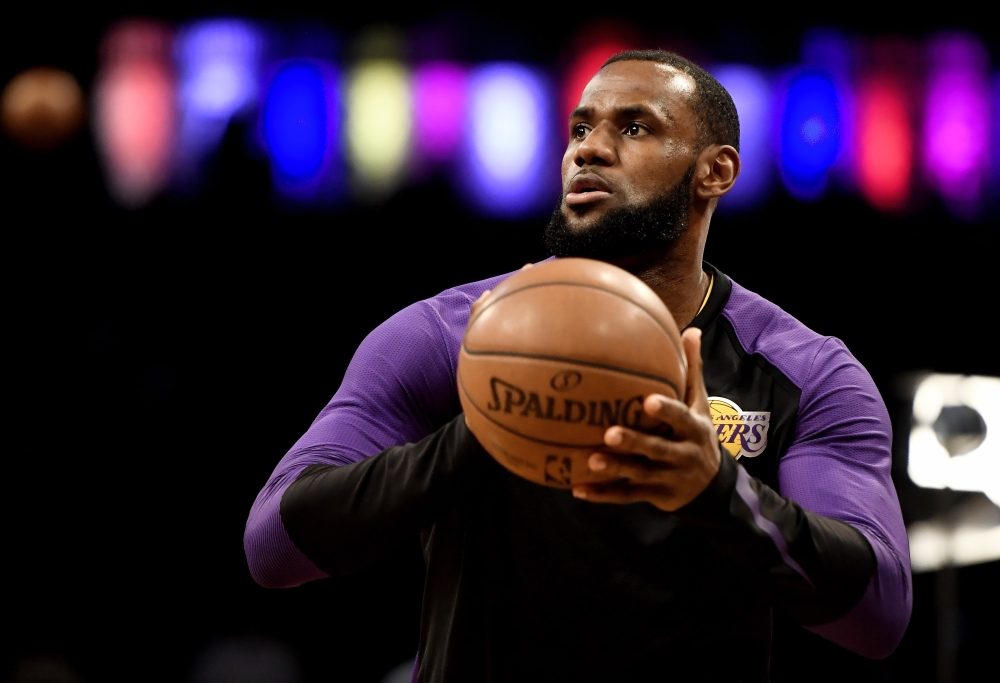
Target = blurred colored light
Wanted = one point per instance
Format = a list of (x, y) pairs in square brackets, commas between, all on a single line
[(379, 120), (296, 121), (884, 154), (42, 107), (752, 94), (996, 140), (584, 67), (508, 130), (217, 61), (439, 99), (956, 122), (810, 135), (135, 112)]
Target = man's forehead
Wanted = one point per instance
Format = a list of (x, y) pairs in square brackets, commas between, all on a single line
[(628, 83)]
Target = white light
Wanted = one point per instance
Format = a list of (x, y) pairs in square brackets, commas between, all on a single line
[(505, 118), (509, 166), (928, 459), (220, 88), (933, 545), (930, 464), (929, 398)]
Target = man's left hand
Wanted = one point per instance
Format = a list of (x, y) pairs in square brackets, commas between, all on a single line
[(667, 471)]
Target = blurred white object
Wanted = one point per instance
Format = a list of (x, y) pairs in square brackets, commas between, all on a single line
[(955, 444), (969, 534), (943, 456)]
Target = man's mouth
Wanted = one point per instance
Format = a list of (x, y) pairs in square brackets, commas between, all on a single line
[(587, 188)]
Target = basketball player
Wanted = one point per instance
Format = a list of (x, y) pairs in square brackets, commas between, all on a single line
[(772, 496)]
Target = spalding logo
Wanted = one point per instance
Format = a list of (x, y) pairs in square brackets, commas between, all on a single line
[(509, 398), (566, 380), (743, 433)]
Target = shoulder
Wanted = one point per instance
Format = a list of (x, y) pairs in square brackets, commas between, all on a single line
[(834, 385), (799, 353), (426, 333), (450, 309), (400, 384)]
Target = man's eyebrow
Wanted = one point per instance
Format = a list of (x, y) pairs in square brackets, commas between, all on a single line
[(634, 110)]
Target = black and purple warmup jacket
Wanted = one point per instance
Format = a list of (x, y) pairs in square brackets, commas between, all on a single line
[(527, 583)]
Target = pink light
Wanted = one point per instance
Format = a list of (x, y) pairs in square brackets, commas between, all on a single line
[(135, 112), (439, 97), (885, 143), (956, 127)]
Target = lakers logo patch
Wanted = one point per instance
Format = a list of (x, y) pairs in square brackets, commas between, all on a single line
[(743, 433)]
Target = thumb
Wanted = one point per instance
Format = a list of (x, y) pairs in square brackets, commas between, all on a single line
[(696, 395)]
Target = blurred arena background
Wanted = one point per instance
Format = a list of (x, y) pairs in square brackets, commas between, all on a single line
[(206, 211)]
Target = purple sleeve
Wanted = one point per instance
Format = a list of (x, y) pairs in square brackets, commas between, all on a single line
[(398, 388), (838, 467)]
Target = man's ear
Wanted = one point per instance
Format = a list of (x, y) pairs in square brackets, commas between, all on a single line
[(718, 167)]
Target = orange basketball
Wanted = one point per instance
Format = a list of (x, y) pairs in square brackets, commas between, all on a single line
[(558, 353)]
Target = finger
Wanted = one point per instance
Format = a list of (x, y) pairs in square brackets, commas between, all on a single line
[(675, 417), (634, 469), (526, 266), (653, 446), (618, 493), (477, 304), (696, 394)]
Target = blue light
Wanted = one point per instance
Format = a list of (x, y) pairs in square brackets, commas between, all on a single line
[(810, 134), (509, 167), (296, 122), (752, 94)]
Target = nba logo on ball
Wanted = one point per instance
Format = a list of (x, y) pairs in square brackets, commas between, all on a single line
[(743, 433)]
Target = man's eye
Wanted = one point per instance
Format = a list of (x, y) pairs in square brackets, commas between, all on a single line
[(579, 131), (634, 129)]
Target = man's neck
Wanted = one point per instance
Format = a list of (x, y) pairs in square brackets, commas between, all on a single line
[(675, 273)]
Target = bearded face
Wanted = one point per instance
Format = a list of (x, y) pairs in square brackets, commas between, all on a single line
[(623, 230)]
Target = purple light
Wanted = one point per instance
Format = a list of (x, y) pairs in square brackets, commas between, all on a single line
[(752, 93), (439, 100), (509, 168), (996, 140), (217, 63), (956, 124)]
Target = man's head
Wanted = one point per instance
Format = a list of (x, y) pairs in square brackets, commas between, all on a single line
[(653, 145)]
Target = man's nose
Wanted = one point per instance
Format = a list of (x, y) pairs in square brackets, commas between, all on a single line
[(598, 148)]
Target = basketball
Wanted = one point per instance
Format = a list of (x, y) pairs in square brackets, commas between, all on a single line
[(555, 355)]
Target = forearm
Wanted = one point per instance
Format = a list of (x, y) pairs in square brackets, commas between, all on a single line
[(813, 568), (345, 518)]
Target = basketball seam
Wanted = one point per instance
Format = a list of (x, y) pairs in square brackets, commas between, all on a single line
[(479, 313), (504, 427), (589, 364)]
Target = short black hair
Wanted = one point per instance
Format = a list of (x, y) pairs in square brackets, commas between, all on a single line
[(718, 122)]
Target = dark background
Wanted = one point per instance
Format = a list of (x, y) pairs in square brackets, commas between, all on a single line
[(161, 361)]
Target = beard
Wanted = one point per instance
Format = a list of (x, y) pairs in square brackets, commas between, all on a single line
[(626, 230)]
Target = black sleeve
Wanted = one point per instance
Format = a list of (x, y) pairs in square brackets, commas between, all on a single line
[(812, 568), (345, 518)]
